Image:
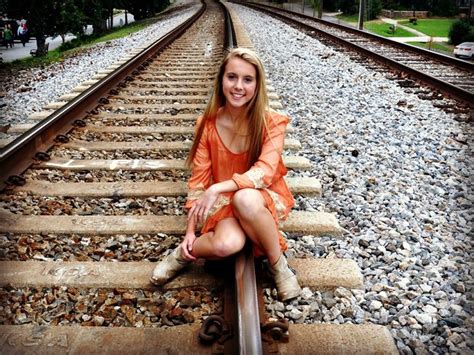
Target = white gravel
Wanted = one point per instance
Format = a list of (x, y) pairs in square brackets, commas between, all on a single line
[(31, 90), (396, 171)]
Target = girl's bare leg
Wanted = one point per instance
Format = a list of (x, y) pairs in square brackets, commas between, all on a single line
[(227, 239), (257, 222)]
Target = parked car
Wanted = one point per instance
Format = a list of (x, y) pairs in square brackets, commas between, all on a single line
[(465, 49)]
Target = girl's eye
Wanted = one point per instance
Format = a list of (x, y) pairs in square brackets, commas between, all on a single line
[(248, 80), (230, 76)]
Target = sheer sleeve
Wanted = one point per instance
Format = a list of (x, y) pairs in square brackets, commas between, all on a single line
[(201, 176), (264, 171)]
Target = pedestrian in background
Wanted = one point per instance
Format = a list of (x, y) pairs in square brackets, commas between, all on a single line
[(8, 36), (23, 33)]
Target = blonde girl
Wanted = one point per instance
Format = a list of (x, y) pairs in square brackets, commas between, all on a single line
[(237, 188)]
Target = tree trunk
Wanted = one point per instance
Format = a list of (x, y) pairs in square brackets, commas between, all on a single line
[(360, 25), (63, 37), (99, 27), (40, 45), (320, 9), (111, 12), (126, 17)]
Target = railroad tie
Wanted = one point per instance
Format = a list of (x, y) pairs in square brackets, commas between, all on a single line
[(291, 162), (322, 338), (298, 185), (321, 274)]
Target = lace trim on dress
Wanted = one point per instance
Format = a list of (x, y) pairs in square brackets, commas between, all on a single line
[(279, 206), (221, 202), (256, 176), (194, 194)]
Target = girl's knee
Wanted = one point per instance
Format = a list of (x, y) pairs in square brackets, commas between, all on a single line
[(224, 247), (247, 203)]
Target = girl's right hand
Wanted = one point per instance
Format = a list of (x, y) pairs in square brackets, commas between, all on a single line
[(187, 246)]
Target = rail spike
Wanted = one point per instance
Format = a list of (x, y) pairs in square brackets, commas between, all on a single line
[(43, 156), (16, 180), (277, 331), (61, 138)]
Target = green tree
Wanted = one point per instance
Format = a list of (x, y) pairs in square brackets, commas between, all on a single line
[(317, 7), (373, 9), (70, 19), (96, 15), (145, 8)]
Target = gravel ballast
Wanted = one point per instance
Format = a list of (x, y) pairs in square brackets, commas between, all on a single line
[(396, 171)]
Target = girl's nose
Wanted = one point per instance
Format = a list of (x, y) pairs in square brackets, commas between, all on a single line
[(238, 84)]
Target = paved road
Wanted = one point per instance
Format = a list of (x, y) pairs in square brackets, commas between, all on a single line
[(18, 51)]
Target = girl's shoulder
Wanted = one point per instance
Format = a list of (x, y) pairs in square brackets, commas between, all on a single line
[(208, 123), (275, 118)]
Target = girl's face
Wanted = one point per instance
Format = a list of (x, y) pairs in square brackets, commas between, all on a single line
[(239, 82)]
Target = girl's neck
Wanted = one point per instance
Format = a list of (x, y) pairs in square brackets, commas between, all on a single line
[(234, 114)]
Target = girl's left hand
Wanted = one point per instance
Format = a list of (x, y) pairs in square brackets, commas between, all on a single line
[(203, 205)]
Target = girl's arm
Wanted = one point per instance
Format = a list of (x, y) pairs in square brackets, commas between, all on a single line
[(189, 238)]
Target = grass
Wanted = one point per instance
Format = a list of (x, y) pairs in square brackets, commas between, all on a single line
[(383, 29), (431, 27), (123, 31), (438, 27), (349, 18), (437, 46), (73, 46)]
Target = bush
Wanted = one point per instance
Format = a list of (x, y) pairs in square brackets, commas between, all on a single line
[(445, 8), (459, 32)]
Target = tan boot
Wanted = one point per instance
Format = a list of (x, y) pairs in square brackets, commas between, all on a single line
[(168, 267), (285, 279)]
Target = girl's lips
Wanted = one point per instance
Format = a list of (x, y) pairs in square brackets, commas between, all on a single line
[(237, 96)]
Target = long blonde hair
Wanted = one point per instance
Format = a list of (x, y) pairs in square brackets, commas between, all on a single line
[(255, 110)]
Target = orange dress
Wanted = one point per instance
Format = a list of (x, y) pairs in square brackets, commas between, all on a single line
[(214, 163)]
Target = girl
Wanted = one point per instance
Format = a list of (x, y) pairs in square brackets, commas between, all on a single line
[(237, 189)]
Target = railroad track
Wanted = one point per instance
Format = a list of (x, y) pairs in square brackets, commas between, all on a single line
[(97, 185), (450, 76)]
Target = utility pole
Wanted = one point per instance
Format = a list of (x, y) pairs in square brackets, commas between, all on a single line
[(302, 7), (360, 26)]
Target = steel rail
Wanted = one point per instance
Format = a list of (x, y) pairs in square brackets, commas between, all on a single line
[(445, 87), (247, 312), (248, 315), (19, 154)]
